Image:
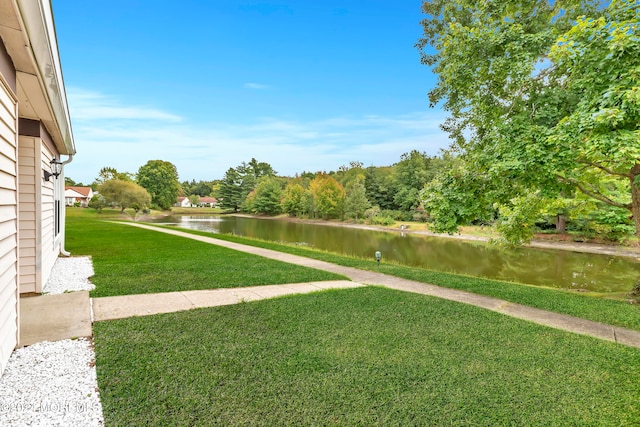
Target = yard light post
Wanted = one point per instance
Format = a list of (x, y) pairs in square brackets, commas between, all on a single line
[(378, 256)]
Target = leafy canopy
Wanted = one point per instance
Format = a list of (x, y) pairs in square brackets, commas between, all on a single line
[(160, 179), (527, 122)]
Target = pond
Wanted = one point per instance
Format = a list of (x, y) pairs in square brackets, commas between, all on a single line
[(540, 267)]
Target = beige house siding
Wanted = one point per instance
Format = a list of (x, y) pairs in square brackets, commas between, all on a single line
[(50, 198), (39, 233), (8, 224), (27, 203)]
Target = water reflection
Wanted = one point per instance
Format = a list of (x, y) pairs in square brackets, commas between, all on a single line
[(552, 268)]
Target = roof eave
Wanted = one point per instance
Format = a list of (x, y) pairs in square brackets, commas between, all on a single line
[(41, 89)]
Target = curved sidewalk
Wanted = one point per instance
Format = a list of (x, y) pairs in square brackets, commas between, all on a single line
[(554, 320)]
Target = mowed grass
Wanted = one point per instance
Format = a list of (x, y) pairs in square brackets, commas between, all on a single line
[(129, 260), (367, 356), (613, 312)]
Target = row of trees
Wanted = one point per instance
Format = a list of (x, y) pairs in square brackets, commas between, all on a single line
[(254, 187), (411, 189), (155, 185)]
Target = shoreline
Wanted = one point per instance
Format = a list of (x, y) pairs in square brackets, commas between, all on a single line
[(583, 247), (537, 243)]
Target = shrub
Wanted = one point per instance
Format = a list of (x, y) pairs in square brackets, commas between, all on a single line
[(382, 220)]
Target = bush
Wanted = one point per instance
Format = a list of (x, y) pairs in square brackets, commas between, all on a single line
[(382, 220), (396, 215), (98, 202), (372, 212), (420, 216), (609, 223)]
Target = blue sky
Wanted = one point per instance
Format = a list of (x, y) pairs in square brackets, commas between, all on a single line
[(208, 84)]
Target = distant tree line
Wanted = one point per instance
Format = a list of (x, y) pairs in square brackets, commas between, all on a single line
[(379, 194), (416, 188)]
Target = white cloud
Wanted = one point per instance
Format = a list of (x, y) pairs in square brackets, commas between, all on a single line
[(257, 86), (87, 105), (207, 150)]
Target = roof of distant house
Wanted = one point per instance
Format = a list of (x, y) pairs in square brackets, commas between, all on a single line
[(85, 191)]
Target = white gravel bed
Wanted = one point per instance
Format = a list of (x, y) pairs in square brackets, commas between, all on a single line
[(70, 274), (51, 384), (54, 383)]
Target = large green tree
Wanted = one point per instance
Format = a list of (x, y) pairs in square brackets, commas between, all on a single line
[(267, 196), (108, 173), (160, 179), (328, 196), (295, 199), (380, 185), (230, 193), (513, 76), (598, 60), (125, 194), (356, 202), (411, 173), (259, 169), (240, 181)]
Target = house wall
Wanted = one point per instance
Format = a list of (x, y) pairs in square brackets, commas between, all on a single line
[(8, 210), (39, 233), (52, 211), (32, 88), (27, 203)]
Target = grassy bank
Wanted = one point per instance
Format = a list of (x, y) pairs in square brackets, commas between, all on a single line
[(591, 307), (367, 356), (125, 263), (129, 260)]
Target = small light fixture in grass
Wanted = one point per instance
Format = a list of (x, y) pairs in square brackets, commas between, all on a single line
[(378, 256)]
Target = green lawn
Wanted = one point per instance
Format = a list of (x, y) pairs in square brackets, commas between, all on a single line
[(367, 356), (129, 260)]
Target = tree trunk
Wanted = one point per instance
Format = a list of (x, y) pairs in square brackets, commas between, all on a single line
[(635, 197), (561, 223)]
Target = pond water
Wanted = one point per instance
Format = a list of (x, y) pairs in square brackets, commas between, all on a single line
[(540, 267)]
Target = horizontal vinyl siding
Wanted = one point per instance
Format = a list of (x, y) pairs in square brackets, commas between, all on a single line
[(8, 225), (47, 249), (27, 203), (8, 311)]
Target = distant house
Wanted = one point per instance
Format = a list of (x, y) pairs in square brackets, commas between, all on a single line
[(208, 202), (183, 202), (73, 195), (35, 131)]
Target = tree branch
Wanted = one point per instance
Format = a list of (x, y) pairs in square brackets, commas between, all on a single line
[(594, 194), (606, 169)]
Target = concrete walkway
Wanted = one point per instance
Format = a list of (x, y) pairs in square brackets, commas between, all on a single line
[(119, 307), (54, 317), (554, 320)]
